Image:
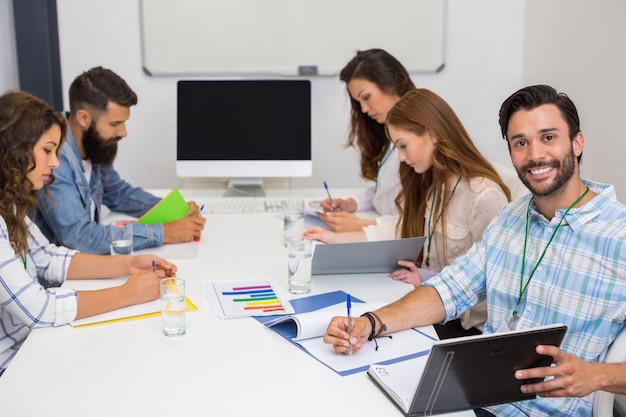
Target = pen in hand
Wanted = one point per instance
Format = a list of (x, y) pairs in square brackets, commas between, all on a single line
[(349, 306), (153, 265), (328, 193), (197, 238)]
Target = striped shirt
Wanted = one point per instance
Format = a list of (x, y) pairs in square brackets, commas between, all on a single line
[(29, 293), (581, 282)]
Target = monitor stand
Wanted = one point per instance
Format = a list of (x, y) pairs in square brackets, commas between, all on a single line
[(245, 187)]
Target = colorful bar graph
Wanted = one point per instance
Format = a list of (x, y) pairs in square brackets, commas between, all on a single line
[(249, 299)]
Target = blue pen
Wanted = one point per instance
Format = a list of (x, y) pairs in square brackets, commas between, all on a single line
[(197, 238), (349, 307), (328, 192), (153, 265)]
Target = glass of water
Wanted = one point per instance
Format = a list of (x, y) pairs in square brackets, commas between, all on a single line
[(293, 211), (173, 306), (299, 260), (121, 237)]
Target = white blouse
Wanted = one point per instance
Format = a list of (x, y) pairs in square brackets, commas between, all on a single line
[(471, 208), (381, 195)]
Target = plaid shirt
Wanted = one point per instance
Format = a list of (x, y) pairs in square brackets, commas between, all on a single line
[(581, 282), (29, 293)]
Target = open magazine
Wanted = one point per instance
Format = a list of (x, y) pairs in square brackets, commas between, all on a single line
[(306, 328)]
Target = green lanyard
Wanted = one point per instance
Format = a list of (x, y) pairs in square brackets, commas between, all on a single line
[(382, 162), (524, 287), (431, 230)]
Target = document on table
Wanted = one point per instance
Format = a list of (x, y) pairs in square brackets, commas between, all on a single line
[(228, 299), (149, 309), (306, 328)]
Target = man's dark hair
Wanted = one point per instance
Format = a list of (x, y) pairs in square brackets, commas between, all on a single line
[(534, 96), (94, 89)]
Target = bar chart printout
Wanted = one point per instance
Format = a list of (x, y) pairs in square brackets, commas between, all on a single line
[(243, 299)]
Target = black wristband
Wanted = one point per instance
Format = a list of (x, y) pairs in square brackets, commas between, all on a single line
[(383, 326), (370, 317)]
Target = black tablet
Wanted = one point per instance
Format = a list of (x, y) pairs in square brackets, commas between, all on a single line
[(471, 372)]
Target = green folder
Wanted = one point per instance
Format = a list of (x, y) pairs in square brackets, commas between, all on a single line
[(172, 207)]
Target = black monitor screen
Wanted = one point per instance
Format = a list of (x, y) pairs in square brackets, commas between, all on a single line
[(244, 120)]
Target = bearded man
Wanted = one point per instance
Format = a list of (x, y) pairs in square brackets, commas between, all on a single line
[(100, 103)]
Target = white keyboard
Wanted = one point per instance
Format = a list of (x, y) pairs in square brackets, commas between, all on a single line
[(241, 205)]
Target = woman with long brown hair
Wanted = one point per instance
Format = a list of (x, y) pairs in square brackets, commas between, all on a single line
[(375, 81), (450, 192)]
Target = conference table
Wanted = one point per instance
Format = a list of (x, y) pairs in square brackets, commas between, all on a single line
[(230, 367)]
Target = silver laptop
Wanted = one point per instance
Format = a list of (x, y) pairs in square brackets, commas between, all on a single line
[(365, 257)]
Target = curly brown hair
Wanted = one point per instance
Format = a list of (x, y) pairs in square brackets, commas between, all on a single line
[(455, 154), (24, 118), (379, 67)]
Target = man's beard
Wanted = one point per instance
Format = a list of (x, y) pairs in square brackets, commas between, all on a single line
[(566, 169), (98, 150)]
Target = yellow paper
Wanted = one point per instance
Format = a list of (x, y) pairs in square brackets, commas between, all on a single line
[(189, 306)]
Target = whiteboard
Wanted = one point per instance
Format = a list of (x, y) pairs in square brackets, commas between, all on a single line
[(287, 37)]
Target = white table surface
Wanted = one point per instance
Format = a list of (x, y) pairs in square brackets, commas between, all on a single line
[(235, 367)]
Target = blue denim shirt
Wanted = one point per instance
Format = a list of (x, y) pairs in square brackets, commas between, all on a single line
[(67, 220)]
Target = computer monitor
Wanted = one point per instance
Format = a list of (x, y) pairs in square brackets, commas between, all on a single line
[(244, 130)]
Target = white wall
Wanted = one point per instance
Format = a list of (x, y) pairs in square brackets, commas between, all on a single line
[(480, 36), (9, 78), (578, 46), (493, 48)]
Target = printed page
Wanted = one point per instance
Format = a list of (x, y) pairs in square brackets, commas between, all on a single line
[(314, 323), (231, 299), (149, 309), (401, 346)]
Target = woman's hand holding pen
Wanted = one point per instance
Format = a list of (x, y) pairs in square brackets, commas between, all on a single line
[(338, 204), (146, 272), (337, 334), (409, 274), (344, 222), (142, 287), (160, 266)]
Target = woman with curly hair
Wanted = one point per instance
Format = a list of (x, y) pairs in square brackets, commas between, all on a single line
[(31, 269)]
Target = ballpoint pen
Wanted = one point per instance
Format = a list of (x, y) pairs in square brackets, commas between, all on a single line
[(349, 306), (153, 265), (197, 238), (328, 192)]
